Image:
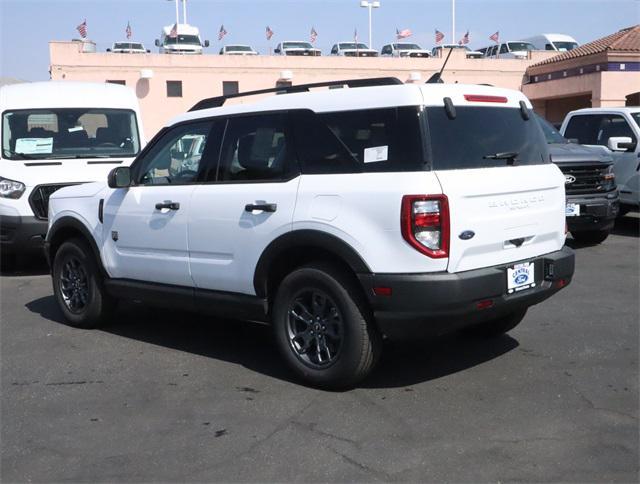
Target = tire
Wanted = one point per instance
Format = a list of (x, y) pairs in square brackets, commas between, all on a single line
[(78, 286), (349, 345), (497, 327), (591, 236)]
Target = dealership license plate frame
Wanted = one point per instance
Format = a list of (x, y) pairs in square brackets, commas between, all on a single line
[(572, 210), (515, 280)]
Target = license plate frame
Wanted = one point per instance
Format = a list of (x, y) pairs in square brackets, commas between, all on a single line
[(572, 210), (520, 277)]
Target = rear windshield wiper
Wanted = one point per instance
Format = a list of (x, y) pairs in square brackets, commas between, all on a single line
[(510, 156)]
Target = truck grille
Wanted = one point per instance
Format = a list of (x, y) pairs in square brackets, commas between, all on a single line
[(39, 199), (586, 178)]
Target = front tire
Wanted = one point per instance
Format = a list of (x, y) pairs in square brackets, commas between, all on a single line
[(591, 236), (497, 327), (323, 328), (78, 286)]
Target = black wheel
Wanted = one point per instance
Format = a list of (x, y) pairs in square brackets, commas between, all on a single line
[(323, 328), (497, 327), (77, 286), (591, 236)]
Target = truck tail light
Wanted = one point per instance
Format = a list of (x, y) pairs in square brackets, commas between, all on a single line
[(424, 223)]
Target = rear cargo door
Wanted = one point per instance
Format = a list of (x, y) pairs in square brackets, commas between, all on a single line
[(506, 200)]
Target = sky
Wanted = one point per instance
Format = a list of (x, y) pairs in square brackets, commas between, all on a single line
[(26, 26)]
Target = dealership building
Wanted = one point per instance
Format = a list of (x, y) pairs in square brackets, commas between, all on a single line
[(602, 73)]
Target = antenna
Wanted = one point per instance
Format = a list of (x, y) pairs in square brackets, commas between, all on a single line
[(437, 77)]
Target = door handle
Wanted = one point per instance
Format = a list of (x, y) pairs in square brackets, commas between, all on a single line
[(265, 207), (169, 204)]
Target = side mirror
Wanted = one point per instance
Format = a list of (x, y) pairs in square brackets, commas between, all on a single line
[(119, 177), (157, 42), (621, 143), (148, 51), (574, 141), (206, 43), (108, 50), (276, 51)]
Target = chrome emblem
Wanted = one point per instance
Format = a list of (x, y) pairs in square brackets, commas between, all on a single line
[(569, 179), (467, 234)]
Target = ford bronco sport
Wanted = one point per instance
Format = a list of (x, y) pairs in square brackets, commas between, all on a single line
[(339, 217)]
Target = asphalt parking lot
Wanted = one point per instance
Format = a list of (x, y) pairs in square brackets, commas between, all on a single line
[(161, 396)]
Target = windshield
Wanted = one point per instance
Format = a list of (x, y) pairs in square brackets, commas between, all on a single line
[(352, 45), (550, 133), (69, 133), (123, 45), (297, 45), (481, 137), (565, 45), (182, 39), (407, 47), (240, 48), (518, 46)]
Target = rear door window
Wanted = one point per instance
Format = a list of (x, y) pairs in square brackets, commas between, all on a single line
[(477, 134)]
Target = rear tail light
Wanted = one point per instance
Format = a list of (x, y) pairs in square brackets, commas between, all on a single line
[(425, 224)]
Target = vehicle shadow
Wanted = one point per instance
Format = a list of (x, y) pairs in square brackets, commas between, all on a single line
[(35, 265), (251, 345), (629, 225)]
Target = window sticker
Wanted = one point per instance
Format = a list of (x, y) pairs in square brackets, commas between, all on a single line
[(34, 146), (376, 154)]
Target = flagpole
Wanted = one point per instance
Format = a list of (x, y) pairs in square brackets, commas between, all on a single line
[(177, 13), (453, 21), (184, 11)]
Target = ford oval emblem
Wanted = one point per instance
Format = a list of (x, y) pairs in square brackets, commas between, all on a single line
[(521, 278), (467, 234), (569, 179)]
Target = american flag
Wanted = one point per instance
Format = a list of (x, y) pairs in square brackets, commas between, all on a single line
[(313, 36), (82, 29), (269, 33), (128, 30), (465, 39), (495, 37), (222, 33), (439, 36), (403, 34), (174, 32)]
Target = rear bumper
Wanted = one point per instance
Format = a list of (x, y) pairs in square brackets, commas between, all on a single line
[(437, 303), (596, 213), (21, 235)]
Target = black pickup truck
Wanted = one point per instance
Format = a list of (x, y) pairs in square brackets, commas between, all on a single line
[(592, 195)]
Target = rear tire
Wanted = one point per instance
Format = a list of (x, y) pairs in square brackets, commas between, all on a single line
[(497, 327), (591, 236), (78, 286), (323, 328)]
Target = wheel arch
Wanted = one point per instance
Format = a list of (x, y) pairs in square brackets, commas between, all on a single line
[(293, 249), (64, 229)]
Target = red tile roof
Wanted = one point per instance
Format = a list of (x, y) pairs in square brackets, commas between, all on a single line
[(625, 40)]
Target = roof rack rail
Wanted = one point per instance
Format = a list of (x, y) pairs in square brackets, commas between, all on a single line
[(216, 102)]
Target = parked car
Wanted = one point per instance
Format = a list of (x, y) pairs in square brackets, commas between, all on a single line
[(56, 134), (508, 50), (353, 49), (128, 47), (558, 42), (471, 54), (404, 49), (615, 130), (592, 196), (237, 49), (185, 41), (296, 47), (322, 214)]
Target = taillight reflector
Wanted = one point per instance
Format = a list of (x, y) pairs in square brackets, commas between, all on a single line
[(424, 222), (481, 98)]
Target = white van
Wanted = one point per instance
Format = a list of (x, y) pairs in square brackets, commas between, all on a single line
[(508, 50), (558, 42), (186, 40), (56, 134)]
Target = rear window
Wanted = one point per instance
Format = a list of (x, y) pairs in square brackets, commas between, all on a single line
[(477, 134)]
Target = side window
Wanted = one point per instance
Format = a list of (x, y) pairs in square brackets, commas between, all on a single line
[(548, 47), (256, 148), (334, 49), (177, 157), (386, 49), (504, 49)]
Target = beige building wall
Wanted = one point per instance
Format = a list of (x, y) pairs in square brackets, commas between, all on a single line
[(203, 76)]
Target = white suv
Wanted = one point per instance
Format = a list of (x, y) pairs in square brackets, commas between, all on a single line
[(339, 217)]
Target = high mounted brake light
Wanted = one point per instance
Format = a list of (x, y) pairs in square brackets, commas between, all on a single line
[(480, 98), (424, 223)]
